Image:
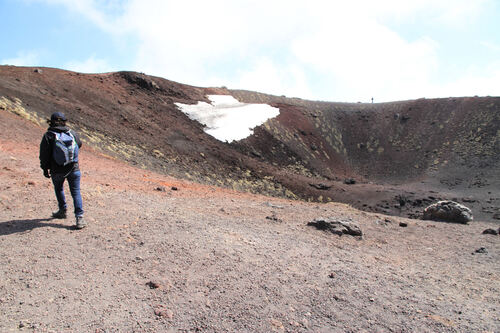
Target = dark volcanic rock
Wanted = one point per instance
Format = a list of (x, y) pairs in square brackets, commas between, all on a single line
[(350, 181), (448, 211), (338, 227), (491, 232), (141, 80), (482, 250), (274, 218), (153, 285), (321, 186)]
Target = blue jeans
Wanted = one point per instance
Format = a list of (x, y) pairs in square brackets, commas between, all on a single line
[(74, 187)]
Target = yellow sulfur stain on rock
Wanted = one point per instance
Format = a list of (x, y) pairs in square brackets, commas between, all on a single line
[(16, 107)]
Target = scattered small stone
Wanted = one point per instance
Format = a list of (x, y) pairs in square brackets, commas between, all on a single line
[(273, 205), (331, 275), (21, 324), (321, 186), (382, 222), (173, 188), (157, 153), (160, 189), (338, 227), (481, 250), (277, 325), (491, 232), (402, 200), (350, 181), (161, 311), (31, 183), (274, 218), (403, 224), (256, 154), (153, 285)]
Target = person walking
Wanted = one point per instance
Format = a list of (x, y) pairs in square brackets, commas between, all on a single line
[(59, 160)]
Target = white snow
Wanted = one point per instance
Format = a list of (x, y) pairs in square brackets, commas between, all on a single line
[(227, 119)]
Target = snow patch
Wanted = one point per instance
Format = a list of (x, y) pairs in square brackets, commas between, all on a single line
[(226, 118)]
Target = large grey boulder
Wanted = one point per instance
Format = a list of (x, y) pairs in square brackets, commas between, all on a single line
[(449, 211)]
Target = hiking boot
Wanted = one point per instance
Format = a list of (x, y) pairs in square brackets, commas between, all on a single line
[(60, 214), (80, 222)]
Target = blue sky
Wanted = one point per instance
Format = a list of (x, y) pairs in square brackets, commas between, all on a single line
[(324, 50)]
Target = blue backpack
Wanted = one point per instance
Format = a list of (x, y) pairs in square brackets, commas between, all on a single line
[(65, 148)]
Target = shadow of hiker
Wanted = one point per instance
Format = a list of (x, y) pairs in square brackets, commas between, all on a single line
[(18, 226)]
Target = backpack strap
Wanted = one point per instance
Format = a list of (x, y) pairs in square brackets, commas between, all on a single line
[(56, 134)]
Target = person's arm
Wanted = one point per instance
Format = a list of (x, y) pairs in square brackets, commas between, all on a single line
[(77, 139), (45, 154)]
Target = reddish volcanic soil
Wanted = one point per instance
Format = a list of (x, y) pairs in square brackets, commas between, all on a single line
[(202, 258)]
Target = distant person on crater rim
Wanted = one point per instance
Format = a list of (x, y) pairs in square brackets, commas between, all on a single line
[(59, 161)]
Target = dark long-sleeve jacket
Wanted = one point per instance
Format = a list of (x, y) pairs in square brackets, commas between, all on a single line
[(46, 160)]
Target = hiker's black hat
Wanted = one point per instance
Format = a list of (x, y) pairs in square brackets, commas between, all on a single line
[(58, 116)]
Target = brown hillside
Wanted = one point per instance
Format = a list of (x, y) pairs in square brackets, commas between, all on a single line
[(402, 155)]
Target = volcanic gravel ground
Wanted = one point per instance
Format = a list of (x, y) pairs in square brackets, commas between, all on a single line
[(199, 258)]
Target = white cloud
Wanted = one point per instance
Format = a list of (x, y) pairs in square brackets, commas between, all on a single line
[(491, 46), (460, 13), (334, 50), (22, 59), (90, 65), (367, 59), (272, 78), (95, 10), (187, 40), (475, 81)]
